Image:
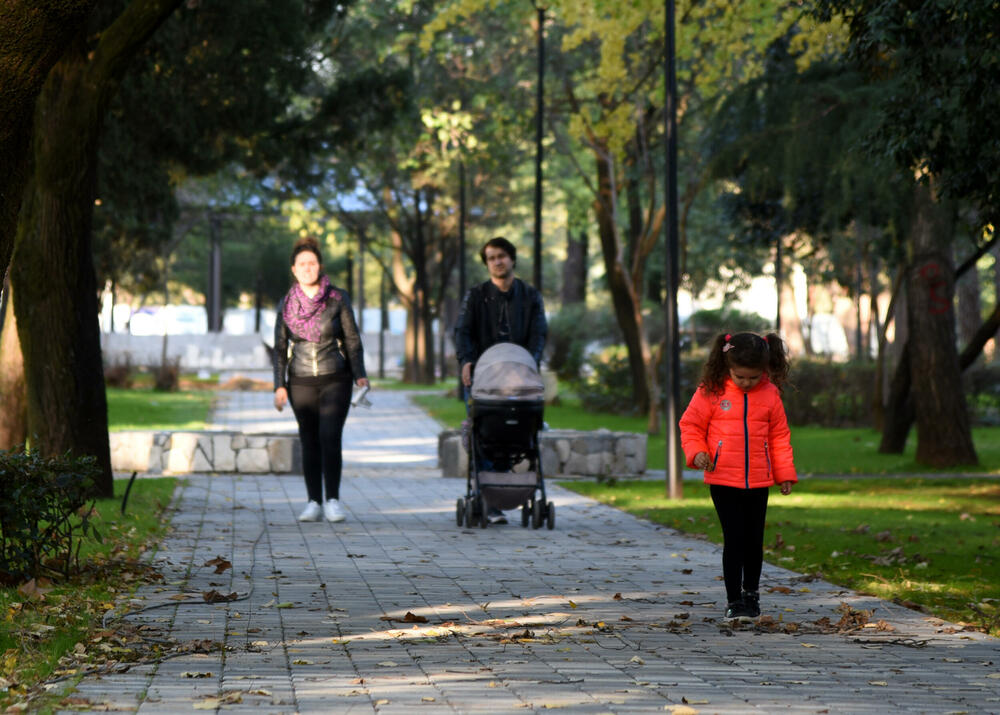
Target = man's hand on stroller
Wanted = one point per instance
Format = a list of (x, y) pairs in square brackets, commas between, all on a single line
[(467, 374)]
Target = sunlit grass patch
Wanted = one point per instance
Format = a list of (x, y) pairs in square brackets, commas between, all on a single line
[(149, 410), (929, 542)]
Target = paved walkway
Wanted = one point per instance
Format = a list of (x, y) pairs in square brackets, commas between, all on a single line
[(397, 610)]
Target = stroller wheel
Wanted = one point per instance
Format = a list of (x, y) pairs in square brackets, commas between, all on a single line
[(550, 517), (484, 518), (460, 511), (525, 514), (469, 513), (537, 514)]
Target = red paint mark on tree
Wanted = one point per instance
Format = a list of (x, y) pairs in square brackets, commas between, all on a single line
[(936, 284)]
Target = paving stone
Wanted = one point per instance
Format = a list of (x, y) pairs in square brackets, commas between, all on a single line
[(510, 611)]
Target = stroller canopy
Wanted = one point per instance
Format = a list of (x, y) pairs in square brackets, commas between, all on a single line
[(506, 371)]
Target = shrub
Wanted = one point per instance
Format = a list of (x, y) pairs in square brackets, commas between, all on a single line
[(43, 517), (830, 394), (119, 374), (168, 376), (571, 330), (608, 388)]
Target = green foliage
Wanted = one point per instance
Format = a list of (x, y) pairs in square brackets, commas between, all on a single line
[(571, 330), (925, 541), (939, 108), (31, 646), (705, 325), (608, 387), (42, 519)]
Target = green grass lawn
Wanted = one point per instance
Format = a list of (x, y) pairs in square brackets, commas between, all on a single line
[(818, 450), (146, 409), (932, 542), (38, 630)]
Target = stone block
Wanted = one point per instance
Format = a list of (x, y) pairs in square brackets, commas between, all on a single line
[(253, 460), (279, 452), (257, 442), (130, 451), (181, 455), (224, 458), (239, 441), (452, 457)]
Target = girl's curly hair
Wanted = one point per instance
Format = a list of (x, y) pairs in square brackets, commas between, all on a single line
[(749, 350)]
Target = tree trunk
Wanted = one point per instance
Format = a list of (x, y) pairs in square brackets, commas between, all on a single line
[(574, 288), (969, 306), (899, 415), (791, 323), (53, 276), (944, 436), (52, 269), (626, 303), (35, 33), (13, 396)]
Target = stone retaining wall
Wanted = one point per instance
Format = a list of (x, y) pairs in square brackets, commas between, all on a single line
[(597, 453), (204, 452)]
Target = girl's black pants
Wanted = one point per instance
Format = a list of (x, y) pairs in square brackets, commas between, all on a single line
[(741, 514), (320, 406)]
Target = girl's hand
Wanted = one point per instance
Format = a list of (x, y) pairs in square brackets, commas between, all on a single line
[(786, 488), (362, 382), (701, 460), (280, 398)]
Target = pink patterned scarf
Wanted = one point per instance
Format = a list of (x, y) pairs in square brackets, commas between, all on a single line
[(302, 313)]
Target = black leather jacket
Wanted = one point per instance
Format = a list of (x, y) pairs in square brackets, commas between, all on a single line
[(478, 321), (339, 350)]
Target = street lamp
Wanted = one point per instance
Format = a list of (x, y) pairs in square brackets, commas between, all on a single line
[(539, 116), (673, 396)]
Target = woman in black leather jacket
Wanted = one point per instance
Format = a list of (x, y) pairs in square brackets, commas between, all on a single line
[(317, 357)]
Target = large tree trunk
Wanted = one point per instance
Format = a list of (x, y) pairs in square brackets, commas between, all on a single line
[(53, 275), (52, 270), (13, 396), (944, 436), (35, 33), (623, 296)]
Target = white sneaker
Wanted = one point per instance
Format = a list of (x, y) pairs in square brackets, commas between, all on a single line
[(333, 511), (312, 512)]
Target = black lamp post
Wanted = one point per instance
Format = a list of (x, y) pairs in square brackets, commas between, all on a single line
[(671, 411), (539, 116)]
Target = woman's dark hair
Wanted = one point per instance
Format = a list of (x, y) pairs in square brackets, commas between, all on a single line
[(749, 350), (503, 244), (306, 243)]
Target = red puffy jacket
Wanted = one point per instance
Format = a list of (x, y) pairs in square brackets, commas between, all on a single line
[(745, 434)]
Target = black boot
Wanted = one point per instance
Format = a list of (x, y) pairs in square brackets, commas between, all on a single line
[(751, 603)]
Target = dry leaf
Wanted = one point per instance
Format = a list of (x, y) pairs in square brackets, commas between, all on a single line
[(214, 596), (285, 604), (388, 664), (808, 645), (35, 588), (572, 605), (680, 709), (692, 701), (617, 597), (637, 660), (301, 661), (189, 674), (880, 683), (219, 563), (427, 699)]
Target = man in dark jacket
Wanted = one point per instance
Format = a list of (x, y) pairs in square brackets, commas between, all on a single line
[(504, 309)]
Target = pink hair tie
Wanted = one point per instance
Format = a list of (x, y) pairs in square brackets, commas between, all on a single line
[(728, 346)]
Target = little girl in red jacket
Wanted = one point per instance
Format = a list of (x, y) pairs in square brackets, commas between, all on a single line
[(736, 430)]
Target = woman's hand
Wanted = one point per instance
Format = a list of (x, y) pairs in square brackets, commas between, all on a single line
[(362, 382), (786, 488), (280, 398), (701, 461)]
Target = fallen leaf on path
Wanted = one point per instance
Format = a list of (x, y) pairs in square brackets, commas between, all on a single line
[(214, 596), (219, 563), (190, 674), (880, 683), (388, 664)]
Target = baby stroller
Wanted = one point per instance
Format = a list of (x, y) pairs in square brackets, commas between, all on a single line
[(505, 415)]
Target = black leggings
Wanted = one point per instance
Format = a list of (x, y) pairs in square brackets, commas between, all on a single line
[(742, 514), (321, 410)]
